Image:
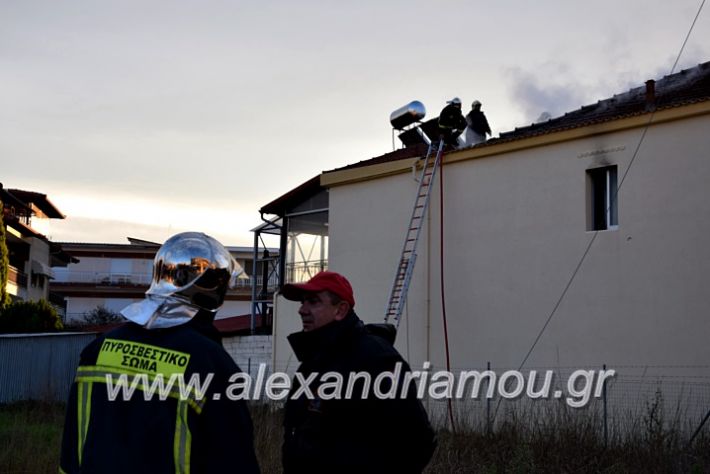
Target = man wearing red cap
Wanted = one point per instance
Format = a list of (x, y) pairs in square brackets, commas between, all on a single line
[(361, 433)]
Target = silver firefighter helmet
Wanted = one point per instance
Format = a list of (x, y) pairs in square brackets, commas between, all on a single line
[(191, 272)]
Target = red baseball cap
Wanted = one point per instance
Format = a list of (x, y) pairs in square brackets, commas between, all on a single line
[(323, 281)]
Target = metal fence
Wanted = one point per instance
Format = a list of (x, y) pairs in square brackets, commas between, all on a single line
[(39, 366), (636, 401)]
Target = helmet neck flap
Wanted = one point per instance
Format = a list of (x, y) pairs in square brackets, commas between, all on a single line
[(191, 273)]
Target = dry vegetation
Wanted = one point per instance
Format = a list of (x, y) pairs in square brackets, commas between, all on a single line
[(30, 437)]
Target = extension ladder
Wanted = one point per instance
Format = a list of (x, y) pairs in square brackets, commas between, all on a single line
[(405, 268)]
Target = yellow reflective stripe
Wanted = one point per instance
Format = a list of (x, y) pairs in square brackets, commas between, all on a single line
[(120, 354), (62, 471), (103, 368), (183, 440), (83, 414), (195, 399), (92, 371), (79, 419), (89, 370)]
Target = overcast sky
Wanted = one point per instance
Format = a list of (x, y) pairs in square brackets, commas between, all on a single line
[(146, 118)]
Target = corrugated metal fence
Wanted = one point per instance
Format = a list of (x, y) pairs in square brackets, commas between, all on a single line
[(39, 366)]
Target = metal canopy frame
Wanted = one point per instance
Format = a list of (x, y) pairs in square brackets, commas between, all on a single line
[(261, 295)]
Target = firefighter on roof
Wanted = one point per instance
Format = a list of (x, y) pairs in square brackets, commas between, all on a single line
[(476, 125), (451, 122)]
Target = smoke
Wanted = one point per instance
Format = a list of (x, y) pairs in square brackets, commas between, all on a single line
[(552, 89), (537, 95)]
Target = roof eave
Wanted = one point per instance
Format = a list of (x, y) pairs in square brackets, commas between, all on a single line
[(500, 146)]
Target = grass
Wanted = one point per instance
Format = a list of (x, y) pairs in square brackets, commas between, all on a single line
[(30, 437)]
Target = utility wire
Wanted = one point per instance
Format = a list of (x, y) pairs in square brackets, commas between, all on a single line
[(621, 182)]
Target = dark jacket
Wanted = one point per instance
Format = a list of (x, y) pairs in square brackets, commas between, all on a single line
[(352, 435), (476, 121), (451, 118), (451, 123), (154, 436)]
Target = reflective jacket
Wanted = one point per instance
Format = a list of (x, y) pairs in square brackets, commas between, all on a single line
[(356, 435), (198, 430)]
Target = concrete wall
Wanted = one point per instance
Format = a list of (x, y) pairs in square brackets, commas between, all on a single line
[(249, 352)]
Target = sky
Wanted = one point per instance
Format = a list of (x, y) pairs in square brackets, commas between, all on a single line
[(148, 118)]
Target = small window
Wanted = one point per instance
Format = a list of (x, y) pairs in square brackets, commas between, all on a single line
[(602, 209)]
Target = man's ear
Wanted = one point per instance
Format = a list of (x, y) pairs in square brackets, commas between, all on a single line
[(342, 311)]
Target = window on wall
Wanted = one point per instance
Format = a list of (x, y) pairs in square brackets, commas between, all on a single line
[(37, 280), (602, 208)]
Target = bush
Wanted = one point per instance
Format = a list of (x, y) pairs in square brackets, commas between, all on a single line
[(102, 315), (29, 316), (4, 262)]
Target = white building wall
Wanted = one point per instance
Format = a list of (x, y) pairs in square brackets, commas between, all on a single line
[(515, 229), (365, 246), (39, 251), (286, 321), (78, 306), (107, 269)]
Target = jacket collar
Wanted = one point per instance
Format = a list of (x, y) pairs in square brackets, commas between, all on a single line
[(307, 345), (203, 322)]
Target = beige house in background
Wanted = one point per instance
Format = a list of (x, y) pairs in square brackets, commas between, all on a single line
[(520, 212), (115, 275), (31, 254)]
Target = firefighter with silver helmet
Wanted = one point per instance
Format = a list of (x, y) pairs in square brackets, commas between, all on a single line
[(178, 417)]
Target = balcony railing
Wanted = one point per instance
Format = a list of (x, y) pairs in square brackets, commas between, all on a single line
[(297, 272), (17, 277), (272, 283), (137, 279), (101, 278)]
